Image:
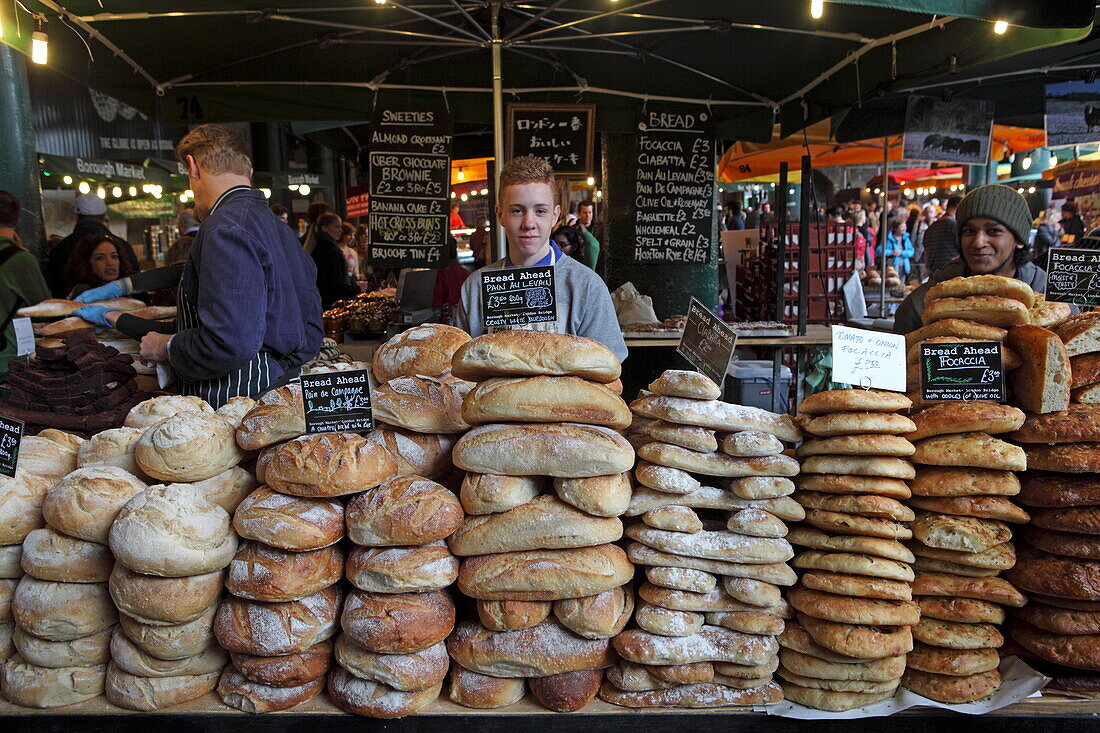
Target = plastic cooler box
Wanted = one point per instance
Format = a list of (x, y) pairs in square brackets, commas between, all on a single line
[(750, 383)]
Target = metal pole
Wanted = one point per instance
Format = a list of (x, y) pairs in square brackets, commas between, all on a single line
[(780, 204), (883, 233), (495, 43), (804, 245)]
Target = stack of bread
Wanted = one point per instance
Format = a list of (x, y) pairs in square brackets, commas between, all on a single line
[(1081, 335), (715, 555), (854, 603), (1059, 565), (549, 586), (962, 540)]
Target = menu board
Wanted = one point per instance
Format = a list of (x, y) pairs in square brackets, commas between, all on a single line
[(966, 371), (1073, 276), (337, 402), (410, 183), (674, 187), (11, 435), (560, 133), (708, 342), (519, 296)]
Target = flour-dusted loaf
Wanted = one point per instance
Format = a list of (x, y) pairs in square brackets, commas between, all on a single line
[(403, 510), (406, 672), (239, 692), (715, 545), (228, 489), (422, 404), (539, 651), (285, 670), (148, 413), (295, 523), (402, 569), (424, 350), (32, 686), (86, 502), (50, 555), (597, 617), (416, 454), (535, 353), (178, 641), (159, 601), (114, 447), (601, 496), (541, 524), (545, 399), (85, 651), (712, 643), (717, 464), (397, 623), (131, 659), (374, 699), (260, 572), (565, 450), (267, 629), (21, 501), (1080, 333), (132, 692), (188, 447), (687, 384), (328, 464), (486, 493), (62, 611), (484, 692), (715, 415), (545, 575), (278, 415)]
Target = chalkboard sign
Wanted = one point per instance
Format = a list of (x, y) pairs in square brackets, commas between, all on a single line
[(410, 183), (674, 187), (708, 343), (560, 133), (337, 402), (11, 435), (1073, 276), (968, 372), (517, 297)]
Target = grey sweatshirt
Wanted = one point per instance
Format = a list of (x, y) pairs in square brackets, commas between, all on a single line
[(584, 306)]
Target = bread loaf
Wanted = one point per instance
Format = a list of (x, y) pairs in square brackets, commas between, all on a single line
[(62, 611), (146, 414), (512, 615), (328, 464), (567, 692), (416, 454), (853, 400), (1067, 458), (263, 573), (405, 672), (397, 623), (41, 687), (993, 285), (597, 617), (85, 651), (702, 695), (402, 569), (674, 519), (160, 601), (964, 417), (404, 510), (228, 489), (717, 464), (50, 555), (86, 502), (748, 443), (9, 561), (542, 650), (484, 493), (278, 415), (374, 699), (235, 408), (976, 450), (422, 404), (601, 496), (290, 522), (267, 629), (21, 501), (534, 353), (687, 384), (113, 447), (712, 643), (715, 545), (422, 350), (178, 641), (855, 423), (541, 524), (1080, 333), (474, 690), (720, 416), (1077, 423), (545, 575), (155, 693), (285, 670), (989, 310), (239, 692), (565, 450), (132, 660), (686, 436), (188, 447), (545, 399), (1041, 384), (708, 497)]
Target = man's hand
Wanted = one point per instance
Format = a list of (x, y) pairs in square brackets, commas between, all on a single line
[(154, 348), (99, 315), (103, 292)]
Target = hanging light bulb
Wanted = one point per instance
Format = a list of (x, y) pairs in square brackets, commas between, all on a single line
[(464, 197), (591, 181), (116, 192), (817, 9), (101, 192), (133, 191), (1000, 27), (1053, 160), (461, 175), (1031, 189), (484, 192), (304, 189), (40, 42), (67, 180), (84, 187), (266, 192), (293, 187), (1026, 162)]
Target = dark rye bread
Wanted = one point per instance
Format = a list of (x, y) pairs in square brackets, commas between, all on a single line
[(1047, 489)]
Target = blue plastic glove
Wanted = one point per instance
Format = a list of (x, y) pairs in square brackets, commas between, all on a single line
[(96, 314), (103, 292)]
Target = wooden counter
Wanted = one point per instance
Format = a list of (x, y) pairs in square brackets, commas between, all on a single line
[(816, 335)]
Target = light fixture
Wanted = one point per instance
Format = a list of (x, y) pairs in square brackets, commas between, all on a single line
[(791, 192), (461, 175), (266, 192), (1031, 189), (817, 9), (591, 181), (1012, 157), (133, 191), (183, 198), (453, 194), (599, 194), (304, 189), (190, 193), (101, 192), (473, 193), (484, 192), (908, 192), (40, 42), (84, 187), (117, 192), (293, 187), (962, 186), (67, 180), (379, 2), (464, 197), (932, 191), (1053, 160), (1020, 191), (1026, 162), (1000, 27)]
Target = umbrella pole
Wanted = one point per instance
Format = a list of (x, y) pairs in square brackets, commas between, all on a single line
[(495, 42), (882, 234)]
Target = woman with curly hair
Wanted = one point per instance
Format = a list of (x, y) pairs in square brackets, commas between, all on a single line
[(95, 261)]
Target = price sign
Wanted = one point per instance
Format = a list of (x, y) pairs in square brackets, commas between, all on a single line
[(517, 297), (868, 358), (1073, 276), (11, 435), (560, 133), (967, 372), (708, 343), (24, 336), (337, 402)]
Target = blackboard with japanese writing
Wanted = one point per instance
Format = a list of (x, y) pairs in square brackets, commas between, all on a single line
[(673, 206), (11, 435), (963, 371), (337, 401), (518, 296), (410, 183), (1073, 276), (560, 133), (708, 342)]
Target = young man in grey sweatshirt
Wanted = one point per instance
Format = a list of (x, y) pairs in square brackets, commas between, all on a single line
[(527, 211)]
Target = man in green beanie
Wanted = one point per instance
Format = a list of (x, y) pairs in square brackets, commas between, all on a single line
[(994, 227)]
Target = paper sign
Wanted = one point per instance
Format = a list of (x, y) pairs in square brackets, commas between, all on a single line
[(24, 336), (1073, 276), (11, 435), (337, 402), (967, 372), (708, 343), (519, 296), (868, 358)]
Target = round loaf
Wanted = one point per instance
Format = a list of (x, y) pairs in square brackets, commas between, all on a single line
[(10, 556), (956, 662), (748, 622), (269, 629), (422, 404), (404, 510), (150, 412), (292, 523), (480, 691), (596, 617), (974, 450), (567, 692), (797, 638), (422, 350), (856, 640), (525, 353), (545, 399), (42, 687), (687, 384), (86, 502), (955, 635), (1057, 576), (512, 615), (753, 592), (966, 417), (228, 489), (752, 488), (404, 672), (994, 590), (48, 458), (483, 493), (21, 509), (278, 415), (374, 699), (397, 623), (235, 408), (756, 523), (830, 701), (846, 609), (179, 641), (416, 454), (239, 692), (960, 610), (85, 651), (1081, 651), (878, 670), (131, 692), (62, 611), (50, 555), (1043, 489), (566, 450), (328, 464), (539, 651), (1068, 457), (995, 285), (1069, 544), (158, 601), (601, 496), (952, 689), (1077, 423), (853, 400), (114, 447), (402, 569), (188, 447), (856, 423), (263, 573), (962, 481), (172, 531), (839, 685), (129, 658), (543, 523), (712, 643), (285, 670)]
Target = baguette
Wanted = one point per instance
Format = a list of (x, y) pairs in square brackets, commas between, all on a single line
[(525, 353), (539, 651), (564, 450), (545, 575), (545, 399)]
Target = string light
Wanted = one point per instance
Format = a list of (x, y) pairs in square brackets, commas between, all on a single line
[(1000, 27), (817, 9), (101, 193), (84, 187), (304, 189), (1053, 160), (484, 192), (293, 187), (461, 175), (1031, 189), (67, 180), (116, 192), (464, 197), (133, 191), (40, 41), (1026, 162), (591, 181)]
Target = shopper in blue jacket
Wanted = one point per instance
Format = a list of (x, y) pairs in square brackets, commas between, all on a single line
[(899, 248)]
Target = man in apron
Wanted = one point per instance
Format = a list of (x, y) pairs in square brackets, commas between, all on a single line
[(249, 314), (527, 210)]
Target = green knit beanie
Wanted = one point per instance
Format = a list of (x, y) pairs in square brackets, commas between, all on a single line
[(1000, 203)]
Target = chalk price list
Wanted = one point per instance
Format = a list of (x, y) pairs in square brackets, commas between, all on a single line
[(1073, 276), (966, 372), (518, 297), (337, 401)]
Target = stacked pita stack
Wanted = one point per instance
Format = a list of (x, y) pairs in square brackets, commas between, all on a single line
[(711, 607), (549, 586), (1059, 565), (962, 540), (854, 602)]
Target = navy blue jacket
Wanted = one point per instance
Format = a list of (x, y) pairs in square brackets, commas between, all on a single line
[(255, 289)]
